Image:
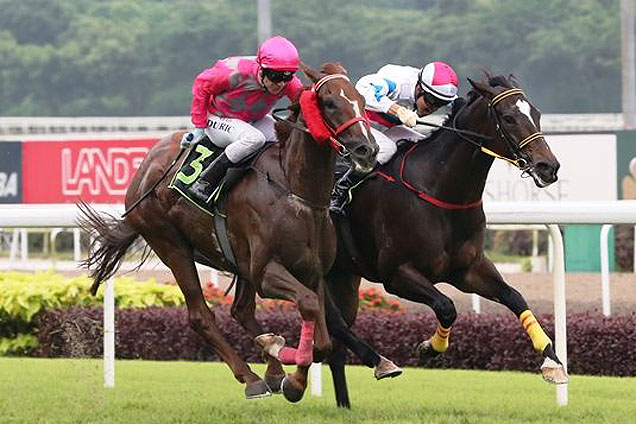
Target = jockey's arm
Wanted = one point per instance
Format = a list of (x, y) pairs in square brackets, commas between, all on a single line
[(376, 91), (207, 84)]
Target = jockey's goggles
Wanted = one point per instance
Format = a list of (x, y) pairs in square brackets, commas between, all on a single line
[(433, 101), (278, 76)]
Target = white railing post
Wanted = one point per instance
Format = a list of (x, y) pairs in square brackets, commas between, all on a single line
[(605, 269), (560, 333), (316, 379), (109, 333), (77, 246), (476, 303)]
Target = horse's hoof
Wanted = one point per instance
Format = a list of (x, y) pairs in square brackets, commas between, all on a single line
[(425, 350), (292, 392), (386, 368), (553, 372), (257, 389), (270, 343), (274, 382)]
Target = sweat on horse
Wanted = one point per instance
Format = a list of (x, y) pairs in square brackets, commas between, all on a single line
[(278, 226)]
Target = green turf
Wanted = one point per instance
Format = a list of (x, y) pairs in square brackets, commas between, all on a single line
[(70, 391)]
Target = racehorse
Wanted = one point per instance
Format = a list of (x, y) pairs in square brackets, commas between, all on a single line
[(277, 222), (420, 221)]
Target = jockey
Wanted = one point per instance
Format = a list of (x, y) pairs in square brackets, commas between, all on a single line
[(231, 102), (396, 96)]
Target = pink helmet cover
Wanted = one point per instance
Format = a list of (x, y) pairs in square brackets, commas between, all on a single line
[(439, 79), (278, 53)]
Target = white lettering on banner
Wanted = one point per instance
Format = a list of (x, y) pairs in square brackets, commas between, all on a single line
[(588, 172), (100, 171), (8, 184)]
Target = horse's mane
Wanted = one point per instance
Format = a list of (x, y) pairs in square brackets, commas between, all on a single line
[(282, 129)]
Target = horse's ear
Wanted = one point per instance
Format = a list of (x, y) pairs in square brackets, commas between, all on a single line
[(311, 73), (482, 88)]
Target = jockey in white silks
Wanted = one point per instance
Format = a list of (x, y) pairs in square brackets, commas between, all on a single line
[(396, 96)]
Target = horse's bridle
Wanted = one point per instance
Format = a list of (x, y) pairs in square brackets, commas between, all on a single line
[(518, 159), (335, 144)]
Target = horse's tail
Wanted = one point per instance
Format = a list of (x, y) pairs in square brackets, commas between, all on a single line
[(110, 239)]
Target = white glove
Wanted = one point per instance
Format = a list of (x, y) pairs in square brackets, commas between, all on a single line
[(191, 138), (407, 117)]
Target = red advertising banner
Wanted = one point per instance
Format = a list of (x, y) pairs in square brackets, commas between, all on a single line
[(96, 171)]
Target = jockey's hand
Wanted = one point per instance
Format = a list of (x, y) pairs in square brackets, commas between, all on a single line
[(191, 138), (407, 117)]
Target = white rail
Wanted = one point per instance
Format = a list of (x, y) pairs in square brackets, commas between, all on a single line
[(25, 125), (549, 213)]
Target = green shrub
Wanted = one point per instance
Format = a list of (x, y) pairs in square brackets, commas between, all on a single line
[(24, 295), (22, 344)]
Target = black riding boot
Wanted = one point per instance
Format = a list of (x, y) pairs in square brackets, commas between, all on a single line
[(211, 176), (340, 194)]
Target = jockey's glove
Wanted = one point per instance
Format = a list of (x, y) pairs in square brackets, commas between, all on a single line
[(407, 117), (191, 138)]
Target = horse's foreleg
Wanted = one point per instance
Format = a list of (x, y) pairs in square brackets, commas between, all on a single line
[(201, 318), (278, 283), (243, 310), (484, 280), (342, 295), (409, 283)]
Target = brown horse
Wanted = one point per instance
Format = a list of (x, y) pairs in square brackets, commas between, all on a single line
[(421, 221), (278, 226)]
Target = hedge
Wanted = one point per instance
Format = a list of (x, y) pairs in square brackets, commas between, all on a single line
[(596, 345), (25, 295)]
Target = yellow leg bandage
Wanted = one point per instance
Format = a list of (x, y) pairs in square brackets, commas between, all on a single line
[(539, 339), (439, 341)]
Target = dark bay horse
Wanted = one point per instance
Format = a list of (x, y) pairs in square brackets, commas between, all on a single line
[(420, 221), (278, 226)]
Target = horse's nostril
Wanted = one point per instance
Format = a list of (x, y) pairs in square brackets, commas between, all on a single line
[(362, 150), (546, 170)]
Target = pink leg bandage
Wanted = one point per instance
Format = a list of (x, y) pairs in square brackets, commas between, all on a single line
[(305, 352)]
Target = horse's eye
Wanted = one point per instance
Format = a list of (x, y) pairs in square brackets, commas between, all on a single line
[(509, 119), (329, 103)]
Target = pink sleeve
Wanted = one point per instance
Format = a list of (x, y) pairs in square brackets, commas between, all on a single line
[(212, 81), (293, 89)]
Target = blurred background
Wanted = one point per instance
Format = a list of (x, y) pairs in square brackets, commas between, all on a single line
[(138, 58)]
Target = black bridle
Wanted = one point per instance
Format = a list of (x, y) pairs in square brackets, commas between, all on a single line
[(518, 158)]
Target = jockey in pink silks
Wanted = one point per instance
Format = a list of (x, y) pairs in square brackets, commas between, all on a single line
[(396, 96), (231, 102)]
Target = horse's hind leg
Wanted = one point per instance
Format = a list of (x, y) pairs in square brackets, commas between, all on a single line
[(178, 258), (408, 283), (484, 280), (243, 310)]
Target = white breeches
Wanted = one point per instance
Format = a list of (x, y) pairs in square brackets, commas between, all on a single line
[(240, 138), (386, 140)]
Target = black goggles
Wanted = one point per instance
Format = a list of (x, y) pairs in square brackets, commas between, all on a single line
[(433, 101), (278, 76)]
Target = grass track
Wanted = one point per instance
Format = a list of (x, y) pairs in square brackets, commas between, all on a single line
[(70, 391)]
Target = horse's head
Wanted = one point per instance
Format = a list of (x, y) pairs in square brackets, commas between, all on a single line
[(517, 129), (334, 112)]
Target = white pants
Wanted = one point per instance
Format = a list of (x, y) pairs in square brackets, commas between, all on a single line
[(387, 139), (240, 138)]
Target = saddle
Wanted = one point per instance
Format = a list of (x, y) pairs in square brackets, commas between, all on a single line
[(199, 158)]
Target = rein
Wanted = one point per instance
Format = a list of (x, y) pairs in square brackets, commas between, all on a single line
[(518, 160)]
